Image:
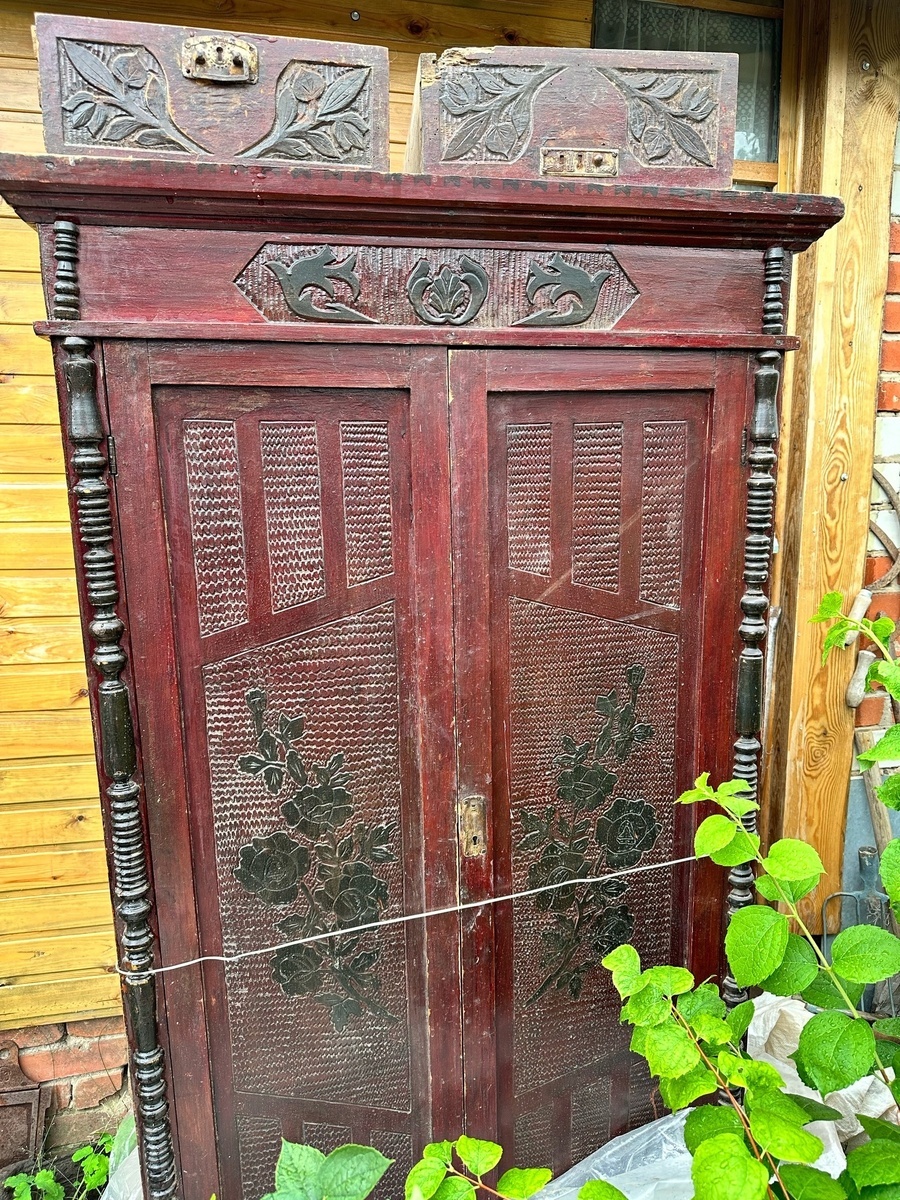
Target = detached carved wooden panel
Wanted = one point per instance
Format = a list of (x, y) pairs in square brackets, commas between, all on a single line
[(123, 87), (542, 112)]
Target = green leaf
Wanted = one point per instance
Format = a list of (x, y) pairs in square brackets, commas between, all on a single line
[(835, 637), (711, 1029), (480, 1157), (708, 1121), (874, 1163), (647, 1007), (882, 628), (797, 971), (774, 1130), (352, 1172), (742, 848), (700, 791), (425, 1178), (887, 674), (866, 954), (834, 1051), (755, 943), (671, 981), (669, 1050), (886, 749), (823, 994), (455, 1187), (297, 1170), (638, 1043), (788, 889), (441, 1150), (724, 1169), (829, 607), (713, 834), (888, 1051), (520, 1183), (806, 1183), (739, 1019), (790, 858), (815, 1111), (625, 964), (889, 792), (890, 867), (599, 1189), (738, 806), (878, 1130), (703, 999), (683, 1090), (747, 1072)]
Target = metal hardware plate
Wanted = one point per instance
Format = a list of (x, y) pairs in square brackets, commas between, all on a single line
[(575, 163), (219, 58), (471, 817)]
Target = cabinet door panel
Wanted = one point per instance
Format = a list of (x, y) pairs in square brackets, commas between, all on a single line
[(306, 669), (598, 568)]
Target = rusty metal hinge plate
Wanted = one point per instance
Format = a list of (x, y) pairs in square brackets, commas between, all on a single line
[(471, 816)]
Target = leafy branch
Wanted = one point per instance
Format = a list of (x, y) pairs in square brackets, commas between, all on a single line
[(313, 119), (494, 107), (662, 110)]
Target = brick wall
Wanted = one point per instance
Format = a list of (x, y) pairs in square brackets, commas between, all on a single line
[(872, 711), (80, 1070)]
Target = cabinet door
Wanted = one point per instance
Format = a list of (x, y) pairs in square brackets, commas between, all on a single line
[(285, 524), (596, 518)]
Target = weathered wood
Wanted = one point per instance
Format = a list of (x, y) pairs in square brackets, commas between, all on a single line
[(50, 825), (31, 687), (44, 734), (38, 594), (75, 996), (56, 909), (21, 957), (38, 869), (849, 128), (41, 640)]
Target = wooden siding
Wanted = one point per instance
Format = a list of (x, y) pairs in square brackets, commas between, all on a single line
[(56, 948)]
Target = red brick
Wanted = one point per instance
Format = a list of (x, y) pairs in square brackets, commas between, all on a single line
[(890, 354), (34, 1035), (76, 1127), (893, 284), (885, 604), (74, 1056), (895, 237), (88, 1091), (99, 1027), (889, 396), (871, 711), (892, 314), (62, 1096), (876, 565)]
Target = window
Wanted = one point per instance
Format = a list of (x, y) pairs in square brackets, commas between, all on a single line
[(651, 25)]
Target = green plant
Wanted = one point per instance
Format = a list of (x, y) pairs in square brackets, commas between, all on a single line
[(347, 1173), (44, 1183), (93, 1165), (436, 1177)]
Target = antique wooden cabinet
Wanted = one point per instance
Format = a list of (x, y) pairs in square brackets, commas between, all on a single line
[(415, 518)]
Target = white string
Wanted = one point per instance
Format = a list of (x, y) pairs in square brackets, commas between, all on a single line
[(422, 916)]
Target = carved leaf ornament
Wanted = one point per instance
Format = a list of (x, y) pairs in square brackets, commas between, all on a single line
[(320, 272), (494, 107), (564, 279), (124, 101), (326, 862), (663, 112), (449, 297), (589, 919), (315, 120)]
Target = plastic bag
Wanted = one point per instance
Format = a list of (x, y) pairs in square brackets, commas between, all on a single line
[(124, 1181), (650, 1163)]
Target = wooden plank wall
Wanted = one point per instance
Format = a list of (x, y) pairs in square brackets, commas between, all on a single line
[(56, 944), (840, 140)]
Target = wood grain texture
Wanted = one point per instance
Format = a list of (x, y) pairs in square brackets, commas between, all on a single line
[(53, 687), (24, 496), (57, 953), (62, 908), (69, 777), (27, 400), (41, 640), (50, 825), (848, 123), (38, 594), (36, 870), (78, 995)]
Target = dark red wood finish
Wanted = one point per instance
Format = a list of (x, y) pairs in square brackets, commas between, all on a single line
[(440, 545)]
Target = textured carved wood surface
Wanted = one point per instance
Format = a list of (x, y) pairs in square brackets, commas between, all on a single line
[(125, 87), (533, 113)]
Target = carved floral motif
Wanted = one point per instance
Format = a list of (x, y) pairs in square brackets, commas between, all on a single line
[(449, 297), (318, 272), (118, 95), (324, 862), (589, 919), (317, 120), (490, 111), (666, 113)]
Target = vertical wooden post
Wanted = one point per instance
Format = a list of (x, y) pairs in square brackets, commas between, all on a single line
[(847, 56)]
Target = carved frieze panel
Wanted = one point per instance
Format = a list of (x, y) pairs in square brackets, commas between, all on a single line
[(527, 112), (410, 285), (121, 87)]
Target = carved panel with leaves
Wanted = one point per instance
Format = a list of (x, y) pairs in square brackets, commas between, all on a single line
[(672, 117)]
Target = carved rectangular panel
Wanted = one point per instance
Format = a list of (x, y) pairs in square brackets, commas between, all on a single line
[(122, 87), (528, 466), (663, 470), (292, 490), (368, 523), (648, 117), (596, 505)]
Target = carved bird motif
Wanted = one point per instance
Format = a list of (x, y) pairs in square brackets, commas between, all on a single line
[(320, 271), (564, 279)]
